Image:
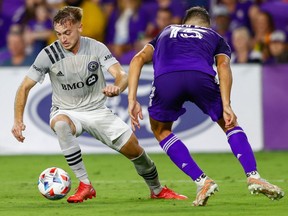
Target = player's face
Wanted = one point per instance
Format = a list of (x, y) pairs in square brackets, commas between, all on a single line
[(69, 35)]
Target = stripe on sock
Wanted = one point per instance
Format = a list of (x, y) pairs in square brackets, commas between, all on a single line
[(74, 158), (71, 155), (234, 132), (151, 175), (169, 143), (74, 163)]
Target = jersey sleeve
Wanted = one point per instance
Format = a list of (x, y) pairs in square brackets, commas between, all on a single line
[(153, 42), (223, 48), (105, 56), (40, 67)]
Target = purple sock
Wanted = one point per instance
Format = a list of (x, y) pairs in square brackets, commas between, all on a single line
[(241, 149), (180, 155)]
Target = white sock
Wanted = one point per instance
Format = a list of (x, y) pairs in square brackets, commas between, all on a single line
[(71, 150), (200, 181), (157, 190), (146, 168), (85, 181), (253, 174)]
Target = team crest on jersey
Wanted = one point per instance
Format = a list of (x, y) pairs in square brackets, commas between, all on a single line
[(93, 66)]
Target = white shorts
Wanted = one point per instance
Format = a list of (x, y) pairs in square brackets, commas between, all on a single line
[(102, 124)]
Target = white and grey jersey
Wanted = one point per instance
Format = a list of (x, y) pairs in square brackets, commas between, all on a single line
[(76, 79)]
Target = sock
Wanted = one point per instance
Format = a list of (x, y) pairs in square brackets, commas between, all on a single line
[(253, 174), (201, 180), (241, 149), (71, 150), (146, 168), (180, 155)]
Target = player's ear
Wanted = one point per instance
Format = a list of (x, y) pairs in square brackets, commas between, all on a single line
[(80, 27)]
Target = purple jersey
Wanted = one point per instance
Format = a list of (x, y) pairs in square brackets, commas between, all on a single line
[(187, 48)]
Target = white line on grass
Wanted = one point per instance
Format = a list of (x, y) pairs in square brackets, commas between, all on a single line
[(172, 181)]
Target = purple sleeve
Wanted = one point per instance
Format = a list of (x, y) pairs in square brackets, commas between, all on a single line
[(223, 48), (153, 42)]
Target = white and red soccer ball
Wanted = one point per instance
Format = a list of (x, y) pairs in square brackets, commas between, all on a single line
[(54, 183)]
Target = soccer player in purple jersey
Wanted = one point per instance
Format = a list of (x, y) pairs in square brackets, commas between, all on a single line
[(183, 58)]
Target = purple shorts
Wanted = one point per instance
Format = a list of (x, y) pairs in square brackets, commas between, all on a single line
[(170, 91)]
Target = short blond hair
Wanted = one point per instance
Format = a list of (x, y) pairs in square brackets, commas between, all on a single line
[(68, 14)]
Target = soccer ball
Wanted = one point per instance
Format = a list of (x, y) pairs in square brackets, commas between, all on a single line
[(54, 183)]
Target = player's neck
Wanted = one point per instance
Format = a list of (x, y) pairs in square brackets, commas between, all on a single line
[(76, 48)]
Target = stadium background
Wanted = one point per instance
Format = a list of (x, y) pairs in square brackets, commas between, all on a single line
[(259, 92), (259, 98)]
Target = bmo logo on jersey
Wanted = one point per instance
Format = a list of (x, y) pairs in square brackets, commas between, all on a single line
[(91, 80), (72, 86), (192, 123)]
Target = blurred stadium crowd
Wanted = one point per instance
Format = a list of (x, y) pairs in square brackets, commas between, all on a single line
[(256, 30)]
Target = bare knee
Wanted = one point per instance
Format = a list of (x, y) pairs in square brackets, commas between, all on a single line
[(221, 123), (161, 133), (157, 132), (160, 129), (154, 129)]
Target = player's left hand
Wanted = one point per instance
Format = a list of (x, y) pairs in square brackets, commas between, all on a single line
[(135, 112), (229, 117), (111, 90)]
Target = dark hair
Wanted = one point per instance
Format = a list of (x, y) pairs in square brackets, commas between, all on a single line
[(197, 13), (68, 14), (165, 10), (270, 20)]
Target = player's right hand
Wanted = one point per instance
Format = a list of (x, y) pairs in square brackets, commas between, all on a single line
[(17, 131)]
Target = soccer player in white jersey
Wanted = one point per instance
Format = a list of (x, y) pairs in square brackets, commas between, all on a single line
[(75, 65)]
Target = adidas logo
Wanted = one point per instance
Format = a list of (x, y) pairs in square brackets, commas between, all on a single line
[(184, 165), (59, 74)]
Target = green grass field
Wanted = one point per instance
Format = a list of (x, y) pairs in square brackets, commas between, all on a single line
[(121, 192)]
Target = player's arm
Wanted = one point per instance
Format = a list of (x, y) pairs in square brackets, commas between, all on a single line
[(225, 80), (120, 82), (19, 106), (136, 64)]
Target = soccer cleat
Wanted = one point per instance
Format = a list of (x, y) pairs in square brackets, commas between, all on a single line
[(256, 186), (204, 192), (84, 192), (167, 193)]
